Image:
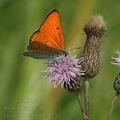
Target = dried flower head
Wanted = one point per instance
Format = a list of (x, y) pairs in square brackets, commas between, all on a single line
[(64, 70), (117, 84), (117, 59), (94, 30), (95, 27)]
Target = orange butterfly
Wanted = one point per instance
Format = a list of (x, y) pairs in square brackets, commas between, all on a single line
[(48, 41)]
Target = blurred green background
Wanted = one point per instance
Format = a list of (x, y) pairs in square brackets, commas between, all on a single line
[(25, 93)]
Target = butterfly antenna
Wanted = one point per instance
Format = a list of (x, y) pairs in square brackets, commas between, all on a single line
[(74, 48)]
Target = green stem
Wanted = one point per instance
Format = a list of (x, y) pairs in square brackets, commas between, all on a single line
[(112, 106), (86, 117), (80, 103)]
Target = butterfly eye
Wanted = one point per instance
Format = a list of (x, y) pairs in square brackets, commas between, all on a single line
[(66, 53)]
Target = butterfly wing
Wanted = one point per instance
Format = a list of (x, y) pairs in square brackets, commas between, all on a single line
[(49, 38), (42, 51), (50, 32), (40, 54)]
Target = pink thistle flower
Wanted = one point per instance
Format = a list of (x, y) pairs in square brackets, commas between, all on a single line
[(64, 70), (117, 59)]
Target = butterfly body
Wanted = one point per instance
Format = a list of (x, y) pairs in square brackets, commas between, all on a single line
[(48, 40)]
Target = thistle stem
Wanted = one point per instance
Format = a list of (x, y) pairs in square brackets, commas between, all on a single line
[(112, 106), (80, 103), (86, 117)]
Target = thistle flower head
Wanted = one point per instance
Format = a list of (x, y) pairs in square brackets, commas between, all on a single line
[(117, 58), (64, 70), (117, 84)]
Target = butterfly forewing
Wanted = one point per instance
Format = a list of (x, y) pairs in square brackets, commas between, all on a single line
[(50, 31)]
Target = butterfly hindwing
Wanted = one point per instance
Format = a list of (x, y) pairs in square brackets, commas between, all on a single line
[(42, 51), (40, 54)]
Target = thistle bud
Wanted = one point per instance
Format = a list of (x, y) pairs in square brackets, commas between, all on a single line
[(117, 84), (94, 30)]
